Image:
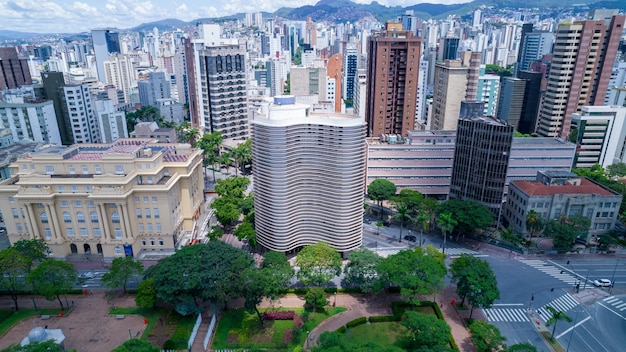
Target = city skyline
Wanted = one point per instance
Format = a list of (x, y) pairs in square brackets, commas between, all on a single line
[(68, 16)]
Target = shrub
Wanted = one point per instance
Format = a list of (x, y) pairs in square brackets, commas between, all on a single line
[(169, 345), (288, 336), (279, 315), (297, 321), (384, 319), (357, 322)]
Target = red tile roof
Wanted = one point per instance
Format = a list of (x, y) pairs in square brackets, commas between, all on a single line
[(536, 188)]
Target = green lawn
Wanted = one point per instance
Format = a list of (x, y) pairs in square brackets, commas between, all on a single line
[(8, 318), (239, 329), (384, 333)]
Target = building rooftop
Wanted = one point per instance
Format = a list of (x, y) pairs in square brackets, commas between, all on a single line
[(537, 188)]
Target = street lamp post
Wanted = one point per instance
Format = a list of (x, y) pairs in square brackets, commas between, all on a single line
[(595, 249), (307, 339), (613, 276), (335, 304)]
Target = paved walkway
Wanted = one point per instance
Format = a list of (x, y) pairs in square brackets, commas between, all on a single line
[(88, 328)]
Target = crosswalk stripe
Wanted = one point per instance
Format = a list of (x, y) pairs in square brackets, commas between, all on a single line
[(550, 270), (621, 305), (611, 299), (505, 314)]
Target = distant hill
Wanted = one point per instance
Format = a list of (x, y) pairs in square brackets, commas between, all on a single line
[(6, 35), (167, 24)]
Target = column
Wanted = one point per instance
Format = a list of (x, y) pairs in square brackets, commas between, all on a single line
[(127, 232), (34, 230), (102, 216), (122, 221), (52, 216)]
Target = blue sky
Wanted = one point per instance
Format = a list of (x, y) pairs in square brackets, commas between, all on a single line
[(51, 16)]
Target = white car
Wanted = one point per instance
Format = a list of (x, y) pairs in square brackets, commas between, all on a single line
[(87, 275), (602, 283)]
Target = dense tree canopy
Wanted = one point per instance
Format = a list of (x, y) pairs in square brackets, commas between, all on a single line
[(425, 332), (565, 229), (470, 216), (276, 267), (381, 190), (52, 278), (121, 270), (204, 272), (137, 345), (146, 294), (486, 337), (33, 250), (475, 280), (597, 173), (362, 269), (318, 263), (13, 266), (338, 342)]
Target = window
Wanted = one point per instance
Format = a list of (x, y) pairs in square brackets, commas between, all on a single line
[(150, 229), (118, 233), (93, 216), (15, 213), (141, 228), (48, 233), (63, 204), (161, 242), (145, 199), (60, 188), (119, 169), (158, 227), (148, 213), (83, 232), (67, 217), (88, 188), (91, 204), (97, 232), (118, 250), (138, 210), (80, 216), (70, 232), (19, 227), (49, 170), (71, 169), (11, 200), (98, 169), (156, 213), (74, 188), (44, 218), (85, 170), (78, 203), (154, 199), (152, 241), (136, 199), (143, 241), (115, 218)]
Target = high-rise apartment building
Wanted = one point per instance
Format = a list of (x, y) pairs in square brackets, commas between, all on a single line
[(308, 177), (30, 121), (14, 71), (392, 81), (600, 135), (584, 54), (105, 42), (350, 66), (222, 91), (481, 160), (534, 45), (334, 70), (111, 122), (82, 115), (128, 198), (119, 72), (154, 88)]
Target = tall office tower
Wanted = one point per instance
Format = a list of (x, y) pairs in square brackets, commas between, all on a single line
[(600, 136), (481, 159), (310, 32), (82, 115), (223, 103), (350, 65), (511, 100), (14, 71), (448, 47), (409, 21), (526, 28), (53, 83), (334, 71), (455, 81), (535, 45), (119, 72), (190, 83), (392, 80), (360, 90), (308, 177), (112, 123), (584, 53), (533, 93), (155, 87), (105, 42)]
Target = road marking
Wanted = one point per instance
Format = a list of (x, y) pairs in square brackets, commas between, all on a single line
[(508, 304), (573, 327), (612, 311), (611, 299)]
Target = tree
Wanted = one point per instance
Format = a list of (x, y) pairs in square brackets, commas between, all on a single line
[(146, 294), (52, 278), (242, 154), (417, 272), (233, 187), (247, 205), (227, 214), (276, 267), (225, 160), (318, 263), (565, 229), (470, 215), (402, 215), (144, 114), (616, 170), (215, 233), (43, 346), (522, 347), (486, 337), (480, 285), (255, 287), (410, 199), (315, 297), (379, 224), (380, 190), (137, 345), (210, 145), (33, 250), (190, 135), (245, 231), (204, 272), (534, 223), (555, 316), (447, 224), (425, 331), (338, 342), (422, 220), (362, 269), (121, 270), (13, 266)]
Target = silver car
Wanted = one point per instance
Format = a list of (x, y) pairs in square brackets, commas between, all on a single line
[(602, 283)]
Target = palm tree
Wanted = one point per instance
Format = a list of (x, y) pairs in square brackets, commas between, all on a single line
[(190, 135), (534, 223), (242, 154), (555, 316), (402, 214), (423, 220), (379, 224), (446, 223), (185, 125), (225, 160)]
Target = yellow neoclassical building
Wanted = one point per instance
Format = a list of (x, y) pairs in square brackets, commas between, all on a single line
[(129, 197)]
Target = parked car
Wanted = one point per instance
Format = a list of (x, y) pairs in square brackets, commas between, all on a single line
[(602, 283), (410, 238), (87, 275)]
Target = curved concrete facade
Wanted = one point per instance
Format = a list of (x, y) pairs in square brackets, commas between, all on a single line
[(308, 177)]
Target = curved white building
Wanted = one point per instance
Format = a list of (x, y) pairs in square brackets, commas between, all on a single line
[(308, 177)]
